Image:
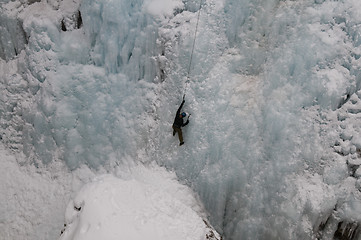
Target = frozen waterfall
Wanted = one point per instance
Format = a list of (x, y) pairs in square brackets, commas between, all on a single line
[(273, 148)]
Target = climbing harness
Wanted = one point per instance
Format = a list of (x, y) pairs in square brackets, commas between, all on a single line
[(191, 58)]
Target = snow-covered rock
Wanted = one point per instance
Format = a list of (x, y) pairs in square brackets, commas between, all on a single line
[(149, 205)]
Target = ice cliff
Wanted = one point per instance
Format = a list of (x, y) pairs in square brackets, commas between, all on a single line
[(273, 147)]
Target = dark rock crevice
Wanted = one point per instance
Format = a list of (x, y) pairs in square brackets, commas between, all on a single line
[(72, 23)]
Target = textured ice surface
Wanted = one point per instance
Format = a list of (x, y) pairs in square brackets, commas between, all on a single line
[(273, 146)]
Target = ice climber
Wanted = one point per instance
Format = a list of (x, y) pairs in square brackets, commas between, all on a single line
[(178, 123)]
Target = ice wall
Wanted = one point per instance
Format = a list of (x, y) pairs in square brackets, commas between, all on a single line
[(84, 75), (122, 37), (13, 37), (267, 80), (252, 131)]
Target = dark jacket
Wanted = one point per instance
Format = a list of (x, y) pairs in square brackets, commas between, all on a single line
[(178, 121)]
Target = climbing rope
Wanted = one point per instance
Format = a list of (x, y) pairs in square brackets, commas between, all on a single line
[(191, 58)]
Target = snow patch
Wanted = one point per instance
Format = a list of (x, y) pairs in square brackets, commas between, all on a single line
[(32, 200), (146, 204), (162, 8)]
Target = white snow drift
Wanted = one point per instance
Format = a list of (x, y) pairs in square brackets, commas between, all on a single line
[(150, 204)]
